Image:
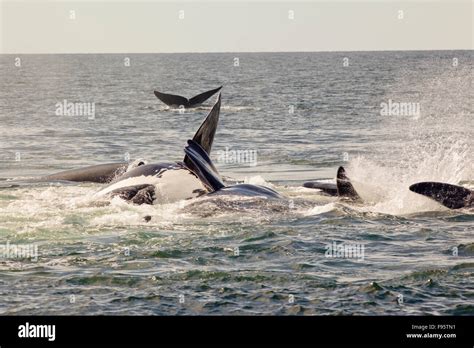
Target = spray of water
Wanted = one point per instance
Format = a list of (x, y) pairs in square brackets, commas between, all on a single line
[(422, 151)]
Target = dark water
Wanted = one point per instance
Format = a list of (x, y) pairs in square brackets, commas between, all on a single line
[(304, 114)]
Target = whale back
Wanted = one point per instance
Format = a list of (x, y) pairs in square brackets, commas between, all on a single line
[(153, 169), (101, 173)]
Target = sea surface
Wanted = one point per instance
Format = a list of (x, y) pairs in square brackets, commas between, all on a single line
[(303, 115)]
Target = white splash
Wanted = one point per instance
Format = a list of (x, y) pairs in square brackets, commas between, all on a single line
[(258, 180), (320, 209), (385, 188)]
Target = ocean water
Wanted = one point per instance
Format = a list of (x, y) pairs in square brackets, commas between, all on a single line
[(303, 114)]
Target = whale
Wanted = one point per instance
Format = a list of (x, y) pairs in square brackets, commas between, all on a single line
[(177, 101), (101, 173), (328, 188), (345, 189), (448, 195), (212, 181), (108, 172), (166, 182), (342, 188)]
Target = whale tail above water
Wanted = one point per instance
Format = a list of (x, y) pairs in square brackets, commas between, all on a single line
[(451, 196), (173, 100)]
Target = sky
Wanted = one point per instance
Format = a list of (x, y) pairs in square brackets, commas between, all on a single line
[(233, 26)]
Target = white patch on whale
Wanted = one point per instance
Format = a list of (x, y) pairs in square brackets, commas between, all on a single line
[(171, 185)]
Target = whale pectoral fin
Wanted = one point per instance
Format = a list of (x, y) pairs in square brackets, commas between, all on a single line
[(330, 189), (451, 196), (201, 98), (344, 186), (172, 100), (139, 194), (205, 134), (203, 166)]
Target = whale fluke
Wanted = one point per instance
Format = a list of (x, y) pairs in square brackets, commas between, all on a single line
[(201, 98), (451, 196), (344, 186), (172, 100), (177, 100)]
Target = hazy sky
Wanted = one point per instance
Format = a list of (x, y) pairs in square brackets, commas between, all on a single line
[(233, 26)]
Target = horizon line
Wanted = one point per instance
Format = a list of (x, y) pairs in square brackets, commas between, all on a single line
[(227, 52)]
